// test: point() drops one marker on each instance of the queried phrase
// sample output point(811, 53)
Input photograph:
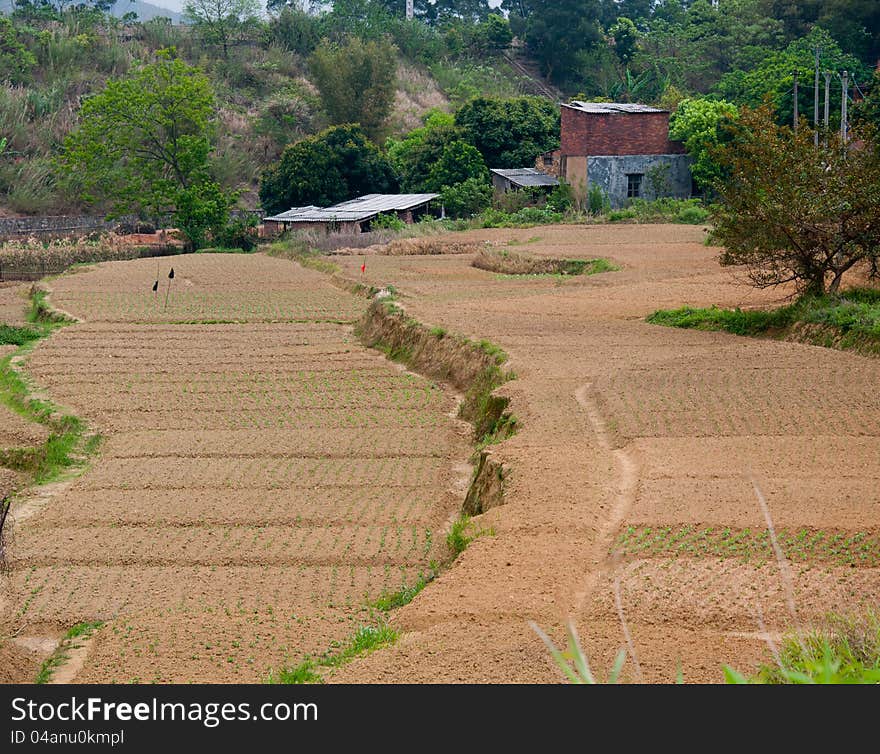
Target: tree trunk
point(816, 286)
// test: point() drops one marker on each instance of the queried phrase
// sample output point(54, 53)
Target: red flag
point(364, 267)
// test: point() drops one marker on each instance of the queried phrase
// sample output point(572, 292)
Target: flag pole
point(168, 292)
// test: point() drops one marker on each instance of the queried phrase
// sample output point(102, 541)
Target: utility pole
point(843, 103)
point(816, 100)
point(795, 101)
point(827, 102)
point(410, 10)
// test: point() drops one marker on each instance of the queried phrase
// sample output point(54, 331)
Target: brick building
point(622, 148)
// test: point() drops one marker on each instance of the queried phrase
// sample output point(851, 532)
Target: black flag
point(155, 286)
point(171, 274)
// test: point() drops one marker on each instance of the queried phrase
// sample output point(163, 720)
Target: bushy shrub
point(561, 198)
point(387, 222)
point(238, 233)
point(597, 201)
point(693, 215)
point(466, 199)
point(513, 201)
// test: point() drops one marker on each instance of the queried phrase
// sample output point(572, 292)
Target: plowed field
point(259, 482)
point(644, 441)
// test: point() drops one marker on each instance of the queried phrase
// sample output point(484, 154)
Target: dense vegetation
point(439, 99)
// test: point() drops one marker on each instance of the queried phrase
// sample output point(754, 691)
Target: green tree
point(699, 125)
point(868, 110)
point(16, 61)
point(555, 31)
point(458, 162)
point(415, 155)
point(357, 82)
point(337, 164)
point(794, 213)
point(510, 133)
point(774, 76)
point(497, 32)
point(624, 37)
point(144, 138)
point(218, 20)
point(202, 213)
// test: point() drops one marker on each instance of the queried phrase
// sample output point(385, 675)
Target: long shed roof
point(526, 177)
point(354, 210)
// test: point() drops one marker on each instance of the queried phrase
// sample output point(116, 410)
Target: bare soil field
point(13, 303)
point(646, 441)
point(263, 475)
point(258, 484)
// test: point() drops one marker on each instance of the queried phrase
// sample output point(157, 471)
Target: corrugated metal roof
point(355, 210)
point(600, 108)
point(294, 212)
point(527, 177)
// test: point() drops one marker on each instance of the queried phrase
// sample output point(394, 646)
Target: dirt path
point(648, 438)
point(262, 475)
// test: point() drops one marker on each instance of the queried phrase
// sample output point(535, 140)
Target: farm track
point(673, 428)
point(259, 482)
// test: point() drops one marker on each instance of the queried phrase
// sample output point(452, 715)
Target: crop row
point(226, 545)
point(263, 473)
point(303, 506)
point(188, 306)
point(839, 548)
point(63, 593)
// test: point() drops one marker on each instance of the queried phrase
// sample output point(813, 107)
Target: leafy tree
point(497, 32)
point(295, 30)
point(699, 125)
point(868, 110)
point(693, 46)
point(458, 162)
point(792, 212)
point(855, 24)
point(625, 38)
point(774, 76)
point(202, 212)
point(337, 164)
point(510, 133)
point(415, 155)
point(555, 31)
point(357, 82)
point(16, 61)
point(218, 20)
point(144, 138)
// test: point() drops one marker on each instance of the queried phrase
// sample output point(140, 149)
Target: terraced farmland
point(259, 483)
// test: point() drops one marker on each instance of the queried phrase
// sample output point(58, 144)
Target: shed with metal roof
point(353, 215)
point(519, 178)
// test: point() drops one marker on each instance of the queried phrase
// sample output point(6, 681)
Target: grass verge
point(849, 320)
point(68, 442)
point(80, 631)
point(462, 533)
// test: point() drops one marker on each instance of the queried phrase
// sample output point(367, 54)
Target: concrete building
point(622, 148)
point(353, 216)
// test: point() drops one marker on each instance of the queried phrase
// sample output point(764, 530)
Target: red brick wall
point(618, 133)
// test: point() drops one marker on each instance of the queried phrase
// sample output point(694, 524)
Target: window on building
point(548, 161)
point(634, 185)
